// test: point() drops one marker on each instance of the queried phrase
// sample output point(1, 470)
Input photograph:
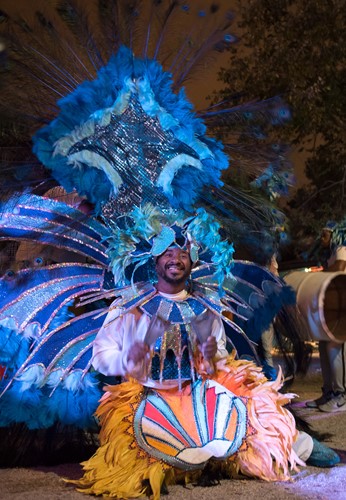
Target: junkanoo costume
point(153, 430)
point(135, 149)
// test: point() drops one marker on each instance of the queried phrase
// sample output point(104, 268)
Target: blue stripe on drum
point(242, 421)
point(199, 405)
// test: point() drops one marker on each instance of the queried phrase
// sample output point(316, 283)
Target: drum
point(321, 298)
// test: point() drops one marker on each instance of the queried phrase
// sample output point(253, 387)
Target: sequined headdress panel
point(126, 138)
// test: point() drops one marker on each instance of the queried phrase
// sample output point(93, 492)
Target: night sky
point(204, 81)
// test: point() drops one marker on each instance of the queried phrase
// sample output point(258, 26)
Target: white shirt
point(120, 331)
point(338, 254)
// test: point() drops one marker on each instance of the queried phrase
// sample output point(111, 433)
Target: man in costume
point(185, 401)
point(129, 356)
point(127, 137)
point(332, 354)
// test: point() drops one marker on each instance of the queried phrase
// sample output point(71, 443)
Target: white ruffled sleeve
point(109, 352)
point(114, 342)
point(218, 331)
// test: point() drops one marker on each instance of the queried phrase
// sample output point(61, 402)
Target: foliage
point(296, 49)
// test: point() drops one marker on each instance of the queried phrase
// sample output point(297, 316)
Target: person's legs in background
point(334, 359)
point(327, 377)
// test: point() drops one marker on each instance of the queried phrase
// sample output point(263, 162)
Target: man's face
point(325, 238)
point(174, 265)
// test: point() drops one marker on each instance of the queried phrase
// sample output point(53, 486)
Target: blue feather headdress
point(126, 137)
point(147, 232)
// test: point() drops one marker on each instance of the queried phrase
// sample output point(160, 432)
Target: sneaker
point(322, 455)
point(335, 404)
point(326, 396)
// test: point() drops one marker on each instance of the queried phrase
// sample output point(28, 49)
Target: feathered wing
point(252, 295)
point(45, 340)
point(54, 382)
point(47, 349)
point(48, 355)
point(108, 121)
point(275, 304)
point(27, 217)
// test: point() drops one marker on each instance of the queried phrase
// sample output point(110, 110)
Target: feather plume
point(76, 71)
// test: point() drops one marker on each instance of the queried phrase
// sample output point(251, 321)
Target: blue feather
point(14, 347)
point(72, 403)
point(24, 406)
point(266, 310)
point(75, 401)
point(174, 112)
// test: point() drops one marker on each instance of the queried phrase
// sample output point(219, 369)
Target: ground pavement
point(45, 483)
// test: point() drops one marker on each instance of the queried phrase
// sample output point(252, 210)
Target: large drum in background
point(321, 298)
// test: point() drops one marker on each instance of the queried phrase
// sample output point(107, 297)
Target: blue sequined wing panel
point(50, 222)
point(266, 293)
point(248, 289)
point(234, 299)
point(36, 295)
point(67, 347)
point(253, 296)
point(54, 383)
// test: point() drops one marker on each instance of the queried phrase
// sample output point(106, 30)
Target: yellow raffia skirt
point(153, 436)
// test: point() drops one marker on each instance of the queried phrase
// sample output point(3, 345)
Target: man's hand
point(209, 348)
point(157, 327)
point(138, 352)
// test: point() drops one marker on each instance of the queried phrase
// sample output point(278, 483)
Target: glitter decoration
point(171, 358)
point(48, 221)
point(131, 142)
point(37, 303)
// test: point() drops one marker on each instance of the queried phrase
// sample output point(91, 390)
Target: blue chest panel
point(172, 356)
